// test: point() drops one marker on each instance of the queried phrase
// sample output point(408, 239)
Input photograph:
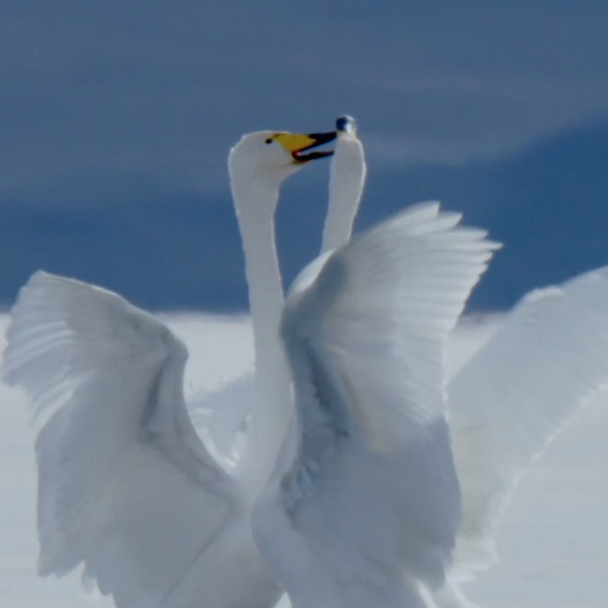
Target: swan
point(511, 400)
point(548, 359)
point(125, 484)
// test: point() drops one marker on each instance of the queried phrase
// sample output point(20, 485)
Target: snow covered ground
point(553, 545)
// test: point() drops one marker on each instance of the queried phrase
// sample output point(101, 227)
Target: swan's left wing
point(373, 488)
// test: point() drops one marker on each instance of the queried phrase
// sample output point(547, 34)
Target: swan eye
point(269, 141)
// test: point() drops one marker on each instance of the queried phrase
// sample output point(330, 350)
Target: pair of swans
point(363, 506)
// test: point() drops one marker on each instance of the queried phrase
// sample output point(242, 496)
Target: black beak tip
point(322, 138)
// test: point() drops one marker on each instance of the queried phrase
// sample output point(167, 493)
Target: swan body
point(546, 362)
point(125, 484)
point(367, 513)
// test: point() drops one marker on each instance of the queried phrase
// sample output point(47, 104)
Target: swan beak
point(298, 145)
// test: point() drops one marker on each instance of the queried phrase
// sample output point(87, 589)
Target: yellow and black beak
point(300, 145)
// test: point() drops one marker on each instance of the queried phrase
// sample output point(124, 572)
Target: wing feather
point(125, 484)
point(373, 488)
point(549, 358)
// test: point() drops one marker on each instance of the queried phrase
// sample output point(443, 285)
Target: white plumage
point(125, 485)
point(368, 511)
point(548, 359)
point(372, 492)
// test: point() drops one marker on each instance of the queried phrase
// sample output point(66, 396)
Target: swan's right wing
point(373, 488)
point(125, 485)
point(547, 360)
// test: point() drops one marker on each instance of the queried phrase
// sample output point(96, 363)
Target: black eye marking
point(269, 140)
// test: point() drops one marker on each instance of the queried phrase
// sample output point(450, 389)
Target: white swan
point(548, 360)
point(125, 484)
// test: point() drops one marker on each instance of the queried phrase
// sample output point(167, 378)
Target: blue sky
point(117, 118)
point(117, 90)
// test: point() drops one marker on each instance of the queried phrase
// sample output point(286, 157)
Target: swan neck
point(256, 202)
point(255, 218)
point(347, 178)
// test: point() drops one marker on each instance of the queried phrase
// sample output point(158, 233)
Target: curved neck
point(347, 177)
point(256, 202)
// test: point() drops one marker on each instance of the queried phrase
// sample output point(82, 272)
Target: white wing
point(373, 488)
point(125, 485)
point(546, 361)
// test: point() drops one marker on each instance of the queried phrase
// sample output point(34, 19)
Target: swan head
point(346, 124)
point(272, 156)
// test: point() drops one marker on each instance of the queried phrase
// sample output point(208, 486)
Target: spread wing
point(373, 490)
point(547, 360)
point(125, 484)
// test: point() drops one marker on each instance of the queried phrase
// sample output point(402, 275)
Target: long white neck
point(256, 202)
point(347, 177)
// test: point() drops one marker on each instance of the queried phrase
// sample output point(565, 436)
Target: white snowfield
point(553, 544)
